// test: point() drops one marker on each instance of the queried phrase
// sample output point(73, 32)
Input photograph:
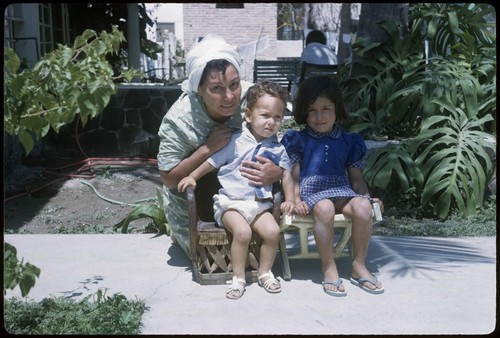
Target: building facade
point(251, 27)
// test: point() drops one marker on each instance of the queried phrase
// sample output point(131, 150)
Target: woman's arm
point(220, 136)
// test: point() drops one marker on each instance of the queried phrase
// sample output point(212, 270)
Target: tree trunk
point(372, 14)
point(344, 52)
point(368, 27)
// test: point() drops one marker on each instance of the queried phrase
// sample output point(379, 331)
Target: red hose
point(87, 165)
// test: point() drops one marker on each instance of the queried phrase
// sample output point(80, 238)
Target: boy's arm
point(198, 173)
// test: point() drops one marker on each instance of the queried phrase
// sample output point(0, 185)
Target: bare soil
point(71, 206)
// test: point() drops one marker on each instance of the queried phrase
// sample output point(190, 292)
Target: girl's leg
point(359, 210)
point(268, 230)
point(324, 214)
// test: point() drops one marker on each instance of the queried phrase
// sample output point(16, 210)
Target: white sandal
point(237, 284)
point(269, 281)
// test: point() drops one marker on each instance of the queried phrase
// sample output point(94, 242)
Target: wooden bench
point(303, 225)
point(280, 71)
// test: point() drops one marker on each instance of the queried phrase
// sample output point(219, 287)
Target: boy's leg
point(238, 226)
point(268, 230)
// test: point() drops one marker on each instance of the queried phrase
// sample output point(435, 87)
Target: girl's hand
point(379, 201)
point(186, 182)
point(301, 208)
point(287, 207)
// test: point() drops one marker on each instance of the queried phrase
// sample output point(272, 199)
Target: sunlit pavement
point(432, 286)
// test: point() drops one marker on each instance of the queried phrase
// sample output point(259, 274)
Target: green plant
point(482, 224)
point(437, 107)
point(154, 211)
point(106, 315)
point(451, 154)
point(17, 273)
point(67, 82)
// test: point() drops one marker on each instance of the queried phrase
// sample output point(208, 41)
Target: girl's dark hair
point(270, 88)
point(311, 89)
point(217, 64)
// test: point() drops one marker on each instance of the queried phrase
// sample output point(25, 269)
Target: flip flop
point(336, 293)
point(359, 282)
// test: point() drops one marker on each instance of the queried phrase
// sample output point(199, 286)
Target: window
point(290, 21)
point(229, 5)
point(45, 17)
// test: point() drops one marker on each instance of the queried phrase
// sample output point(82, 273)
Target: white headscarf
point(211, 47)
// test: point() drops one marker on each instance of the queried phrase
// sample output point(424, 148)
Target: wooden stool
point(303, 225)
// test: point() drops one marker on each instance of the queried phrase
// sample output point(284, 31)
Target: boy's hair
point(265, 87)
point(311, 89)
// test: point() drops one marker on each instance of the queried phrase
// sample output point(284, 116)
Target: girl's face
point(221, 93)
point(266, 116)
point(321, 115)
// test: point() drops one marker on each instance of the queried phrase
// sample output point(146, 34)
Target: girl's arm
point(357, 181)
point(288, 190)
point(198, 173)
point(300, 206)
point(359, 185)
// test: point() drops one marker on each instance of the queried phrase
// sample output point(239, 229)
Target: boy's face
point(266, 116)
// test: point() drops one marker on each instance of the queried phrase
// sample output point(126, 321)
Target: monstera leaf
point(451, 152)
point(392, 162)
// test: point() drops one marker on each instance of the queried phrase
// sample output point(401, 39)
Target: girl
point(327, 172)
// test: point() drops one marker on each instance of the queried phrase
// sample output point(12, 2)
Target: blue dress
point(324, 159)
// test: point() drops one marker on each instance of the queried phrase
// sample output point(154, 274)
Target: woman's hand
point(218, 138)
point(262, 172)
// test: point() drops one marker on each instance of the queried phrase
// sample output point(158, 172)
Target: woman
point(200, 123)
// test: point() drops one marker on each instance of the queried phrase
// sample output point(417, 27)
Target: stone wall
point(128, 126)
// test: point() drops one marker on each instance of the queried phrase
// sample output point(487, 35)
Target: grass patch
point(105, 315)
point(479, 225)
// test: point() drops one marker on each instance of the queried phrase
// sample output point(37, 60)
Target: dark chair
point(311, 69)
point(209, 244)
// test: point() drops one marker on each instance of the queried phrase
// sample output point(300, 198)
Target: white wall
point(162, 12)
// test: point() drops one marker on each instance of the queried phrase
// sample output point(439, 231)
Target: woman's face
point(221, 93)
point(321, 115)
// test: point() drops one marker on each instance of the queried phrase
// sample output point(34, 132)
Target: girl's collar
point(334, 133)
